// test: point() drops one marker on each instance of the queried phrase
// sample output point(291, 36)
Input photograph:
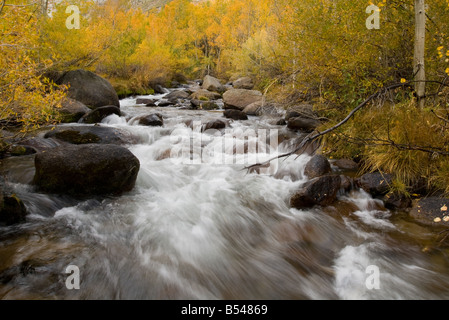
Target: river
point(199, 226)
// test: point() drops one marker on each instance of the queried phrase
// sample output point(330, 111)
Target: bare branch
point(315, 135)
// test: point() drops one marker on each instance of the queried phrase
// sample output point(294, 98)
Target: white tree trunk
point(420, 41)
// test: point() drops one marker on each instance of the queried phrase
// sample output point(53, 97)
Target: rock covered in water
point(85, 170)
point(319, 191)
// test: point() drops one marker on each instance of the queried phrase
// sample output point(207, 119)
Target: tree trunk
point(420, 41)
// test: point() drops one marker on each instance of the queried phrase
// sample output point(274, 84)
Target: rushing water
point(197, 226)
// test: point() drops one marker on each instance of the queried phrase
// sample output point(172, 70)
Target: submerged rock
point(86, 170)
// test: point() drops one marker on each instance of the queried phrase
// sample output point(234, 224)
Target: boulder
point(302, 111)
point(212, 84)
point(346, 164)
point(86, 170)
point(159, 89)
point(89, 88)
point(205, 95)
point(165, 103)
point(91, 134)
point(208, 105)
point(241, 98)
point(152, 120)
point(396, 201)
point(19, 150)
point(347, 183)
point(281, 122)
point(303, 124)
point(243, 83)
point(97, 115)
point(432, 211)
point(176, 95)
point(319, 191)
point(235, 114)
point(72, 110)
point(40, 144)
point(254, 109)
point(12, 210)
point(214, 125)
point(376, 184)
point(145, 101)
point(317, 166)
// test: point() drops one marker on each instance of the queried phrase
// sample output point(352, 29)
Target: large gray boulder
point(89, 88)
point(241, 98)
point(243, 83)
point(86, 170)
point(213, 84)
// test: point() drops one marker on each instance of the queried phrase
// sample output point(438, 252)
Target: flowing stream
point(199, 226)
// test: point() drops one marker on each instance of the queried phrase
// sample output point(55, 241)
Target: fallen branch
point(315, 135)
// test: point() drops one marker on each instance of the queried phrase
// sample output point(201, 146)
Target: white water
point(198, 227)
